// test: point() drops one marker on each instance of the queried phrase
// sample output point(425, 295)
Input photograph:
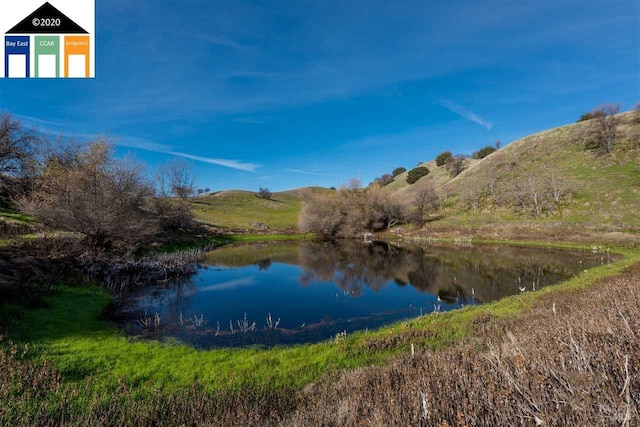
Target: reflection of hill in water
point(486, 272)
point(241, 255)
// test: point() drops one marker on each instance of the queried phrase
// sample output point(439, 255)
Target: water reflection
point(307, 291)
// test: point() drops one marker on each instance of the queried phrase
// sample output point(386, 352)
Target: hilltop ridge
point(595, 193)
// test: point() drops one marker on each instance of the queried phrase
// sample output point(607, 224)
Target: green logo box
point(47, 56)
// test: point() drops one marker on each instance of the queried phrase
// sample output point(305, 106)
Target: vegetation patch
point(70, 338)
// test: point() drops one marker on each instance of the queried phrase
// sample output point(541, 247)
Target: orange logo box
point(75, 48)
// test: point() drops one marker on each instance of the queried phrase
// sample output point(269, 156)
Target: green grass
point(70, 333)
point(15, 216)
point(245, 210)
point(606, 189)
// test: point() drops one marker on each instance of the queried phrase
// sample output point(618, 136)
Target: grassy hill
point(245, 210)
point(599, 192)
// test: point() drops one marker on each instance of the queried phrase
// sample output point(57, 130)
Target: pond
point(307, 291)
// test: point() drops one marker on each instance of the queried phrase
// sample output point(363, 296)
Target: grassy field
point(69, 336)
point(244, 210)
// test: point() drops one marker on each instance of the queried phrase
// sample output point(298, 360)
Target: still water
point(306, 291)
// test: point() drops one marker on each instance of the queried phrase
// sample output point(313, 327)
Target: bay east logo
point(47, 40)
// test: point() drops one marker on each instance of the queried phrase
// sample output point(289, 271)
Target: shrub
point(264, 193)
point(349, 212)
point(397, 171)
point(416, 173)
point(93, 194)
point(483, 152)
point(174, 216)
point(590, 115)
point(443, 157)
point(456, 164)
point(385, 179)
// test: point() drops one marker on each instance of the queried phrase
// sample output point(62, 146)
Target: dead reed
point(573, 360)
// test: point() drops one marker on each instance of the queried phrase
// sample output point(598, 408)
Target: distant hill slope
point(602, 192)
point(599, 193)
point(245, 210)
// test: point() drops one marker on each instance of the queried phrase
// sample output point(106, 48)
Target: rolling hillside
point(595, 192)
point(598, 192)
point(244, 210)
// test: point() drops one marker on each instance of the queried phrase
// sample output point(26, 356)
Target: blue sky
point(282, 94)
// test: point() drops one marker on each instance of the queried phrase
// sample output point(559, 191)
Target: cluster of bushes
point(416, 173)
point(387, 179)
point(350, 211)
point(84, 189)
point(483, 152)
point(454, 164)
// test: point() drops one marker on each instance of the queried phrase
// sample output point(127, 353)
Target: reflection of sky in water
point(277, 291)
point(360, 287)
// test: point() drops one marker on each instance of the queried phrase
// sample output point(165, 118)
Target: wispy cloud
point(467, 114)
point(143, 144)
point(307, 172)
point(233, 164)
point(34, 121)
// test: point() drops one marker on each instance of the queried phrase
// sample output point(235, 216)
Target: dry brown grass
point(572, 360)
point(551, 231)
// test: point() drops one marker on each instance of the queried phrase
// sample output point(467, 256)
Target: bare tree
point(605, 126)
point(354, 184)
point(176, 178)
point(17, 145)
point(494, 164)
point(87, 191)
point(456, 164)
point(538, 192)
point(424, 202)
point(470, 197)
